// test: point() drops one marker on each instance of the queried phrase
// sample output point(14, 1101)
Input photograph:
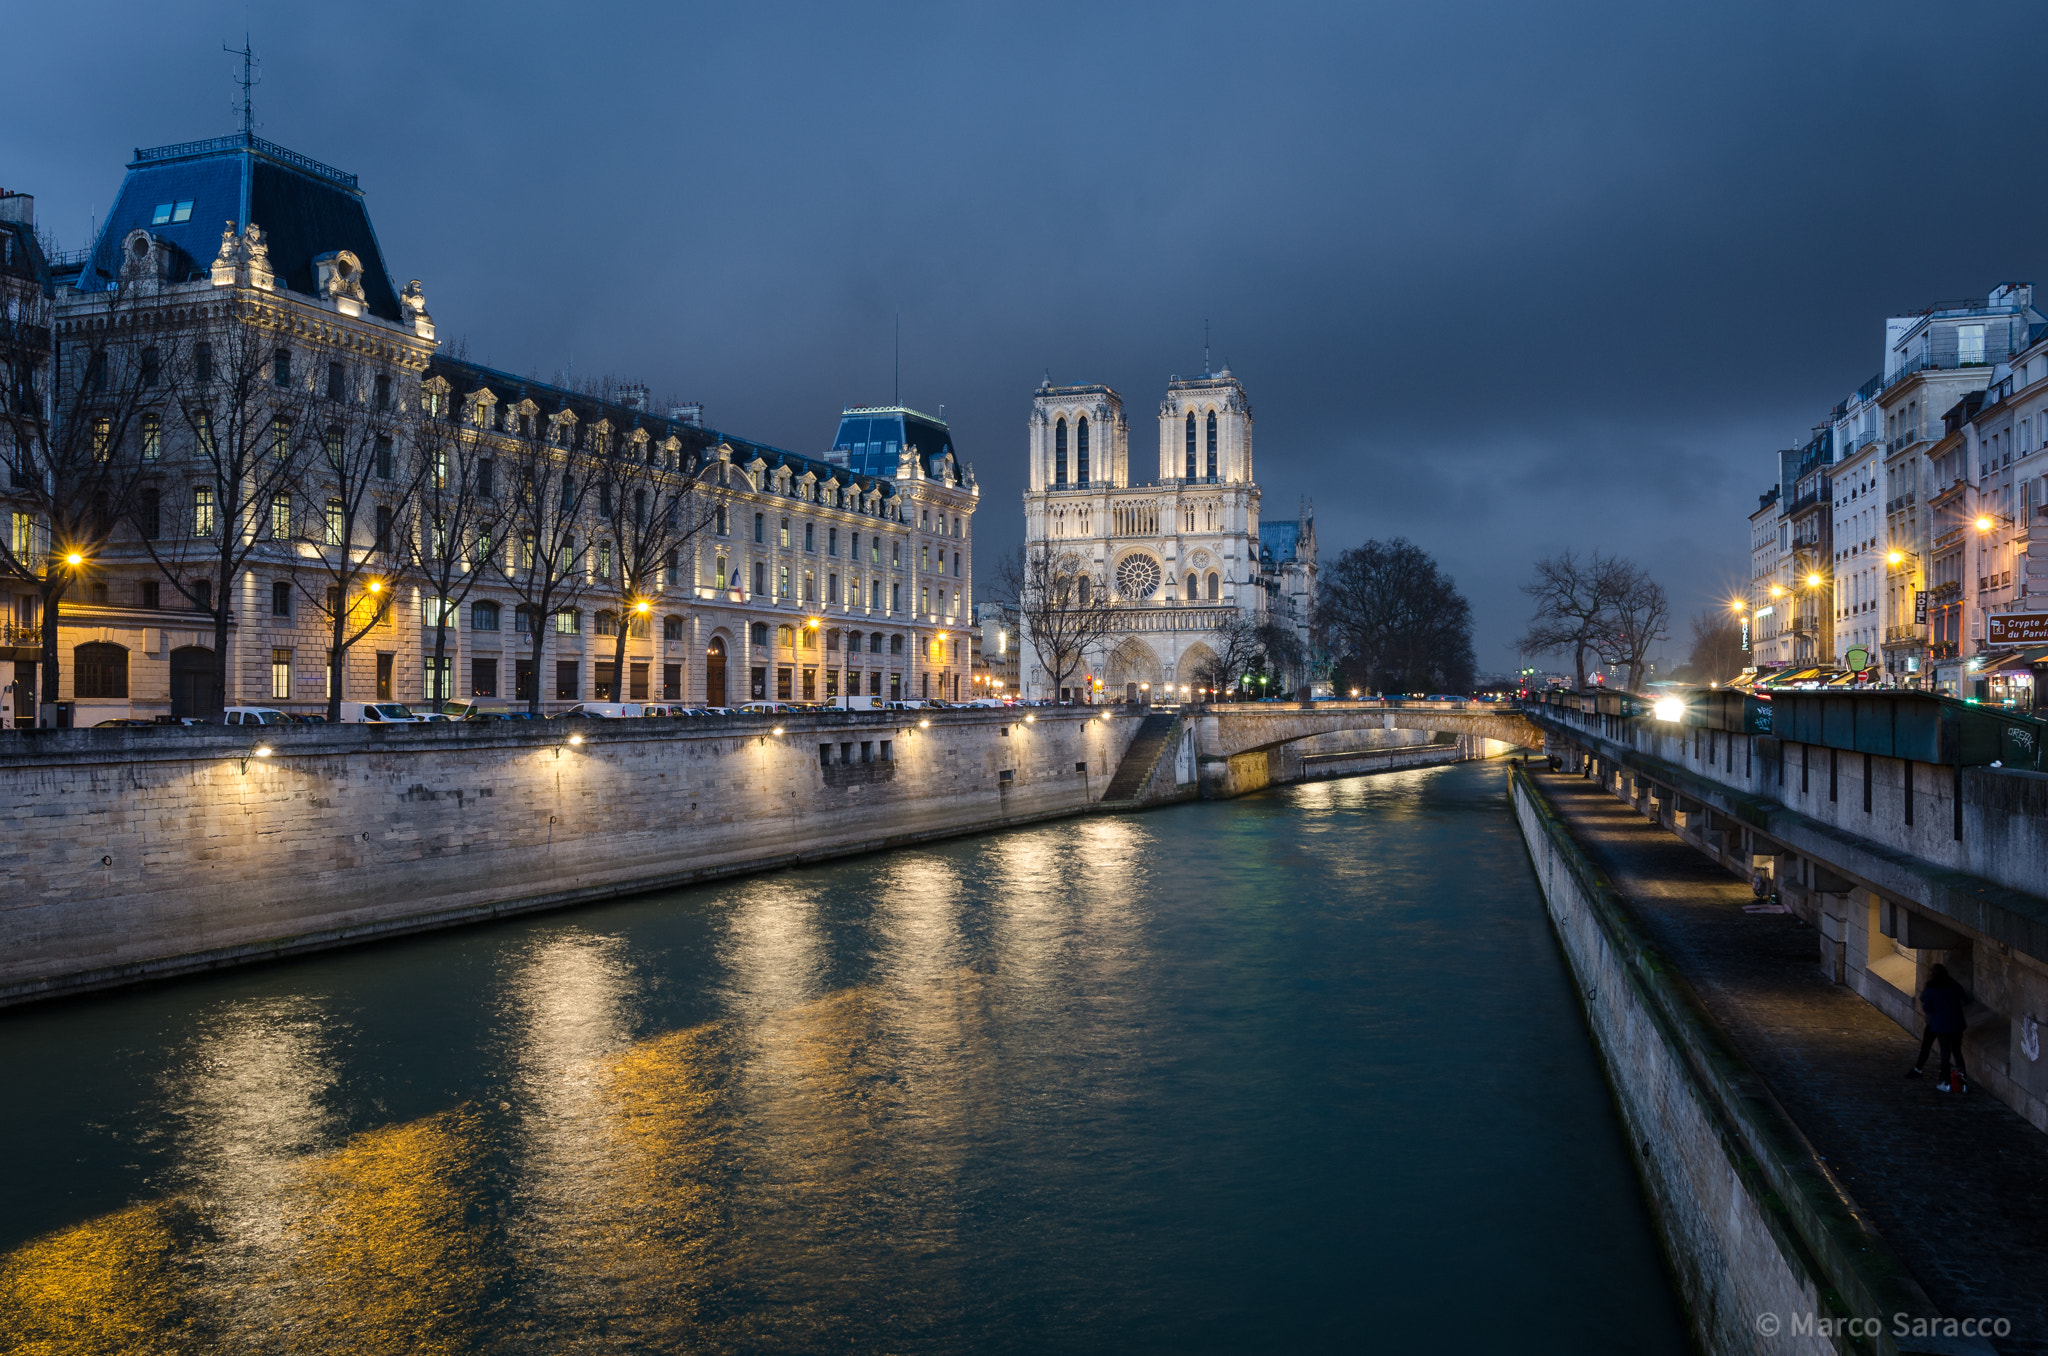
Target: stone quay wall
point(1753, 1221)
point(139, 853)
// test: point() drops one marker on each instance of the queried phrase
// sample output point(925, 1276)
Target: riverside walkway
point(1957, 1185)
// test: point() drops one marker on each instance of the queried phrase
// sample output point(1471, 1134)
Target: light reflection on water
point(1295, 1071)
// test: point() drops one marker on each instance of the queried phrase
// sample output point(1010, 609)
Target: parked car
point(465, 708)
point(757, 708)
point(120, 722)
point(376, 713)
point(663, 709)
point(601, 711)
point(254, 715)
point(714, 710)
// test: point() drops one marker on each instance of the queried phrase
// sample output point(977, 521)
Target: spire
point(1206, 369)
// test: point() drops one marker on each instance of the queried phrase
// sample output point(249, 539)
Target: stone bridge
point(1225, 730)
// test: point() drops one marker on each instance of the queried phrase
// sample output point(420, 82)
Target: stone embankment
point(1771, 1251)
point(139, 853)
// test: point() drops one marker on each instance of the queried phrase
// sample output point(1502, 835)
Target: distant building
point(997, 636)
point(1183, 549)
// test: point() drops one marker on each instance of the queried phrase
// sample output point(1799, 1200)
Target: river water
point(1298, 1071)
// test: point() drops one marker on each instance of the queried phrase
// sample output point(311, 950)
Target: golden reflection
point(390, 1249)
point(118, 1283)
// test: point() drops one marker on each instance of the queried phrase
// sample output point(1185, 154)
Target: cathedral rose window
point(1137, 577)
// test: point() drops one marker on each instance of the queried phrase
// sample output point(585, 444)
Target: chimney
point(19, 207)
point(691, 414)
point(633, 397)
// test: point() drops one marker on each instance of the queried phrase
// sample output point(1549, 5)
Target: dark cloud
point(1500, 278)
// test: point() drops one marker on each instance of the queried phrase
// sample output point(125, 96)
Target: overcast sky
point(1502, 279)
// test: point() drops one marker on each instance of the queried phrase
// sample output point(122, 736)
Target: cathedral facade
point(1181, 547)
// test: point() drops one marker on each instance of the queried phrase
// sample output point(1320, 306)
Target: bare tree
point(1717, 654)
point(1395, 620)
point(650, 508)
point(543, 559)
point(455, 530)
point(1065, 612)
point(1638, 616)
point(358, 487)
point(223, 493)
point(1234, 649)
point(1573, 602)
point(79, 432)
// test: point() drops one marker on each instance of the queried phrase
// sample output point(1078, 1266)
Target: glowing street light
point(1777, 590)
point(376, 586)
point(1983, 524)
point(1813, 581)
point(74, 560)
point(1668, 709)
point(1896, 557)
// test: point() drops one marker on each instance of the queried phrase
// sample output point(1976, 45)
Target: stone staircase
point(1151, 741)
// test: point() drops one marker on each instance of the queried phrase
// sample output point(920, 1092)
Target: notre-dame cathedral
point(1183, 547)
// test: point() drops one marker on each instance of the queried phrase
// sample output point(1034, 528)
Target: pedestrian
point(1943, 1000)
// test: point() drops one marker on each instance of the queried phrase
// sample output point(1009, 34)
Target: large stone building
point(1181, 547)
point(794, 577)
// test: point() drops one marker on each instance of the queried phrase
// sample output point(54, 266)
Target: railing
point(1861, 441)
point(244, 141)
point(1904, 501)
point(10, 634)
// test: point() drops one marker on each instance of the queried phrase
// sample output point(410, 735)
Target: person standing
point(1943, 1000)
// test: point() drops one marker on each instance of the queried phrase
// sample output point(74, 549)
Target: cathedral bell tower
point(1205, 431)
point(1079, 439)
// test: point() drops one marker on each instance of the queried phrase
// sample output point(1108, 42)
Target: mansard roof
point(465, 378)
point(305, 208)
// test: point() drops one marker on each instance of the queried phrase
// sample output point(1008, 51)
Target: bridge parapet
point(1231, 728)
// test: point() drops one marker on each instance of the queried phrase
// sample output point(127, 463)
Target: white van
point(854, 702)
point(254, 715)
point(375, 713)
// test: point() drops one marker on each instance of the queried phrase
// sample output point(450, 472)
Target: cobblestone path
point(1957, 1185)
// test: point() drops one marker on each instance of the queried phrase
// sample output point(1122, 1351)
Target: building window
point(336, 382)
point(831, 588)
point(810, 586)
point(335, 523)
point(1212, 444)
point(1191, 444)
point(567, 684)
point(760, 578)
point(483, 677)
point(151, 366)
point(281, 598)
point(1969, 344)
point(785, 534)
point(281, 367)
point(202, 362)
point(202, 429)
point(568, 622)
point(1215, 586)
point(831, 541)
point(483, 617)
point(672, 628)
point(782, 581)
point(281, 438)
point(202, 510)
point(280, 675)
point(381, 393)
point(383, 527)
point(152, 437)
point(1059, 452)
point(896, 597)
point(760, 528)
point(1081, 450)
point(719, 522)
point(437, 678)
point(99, 669)
point(102, 438)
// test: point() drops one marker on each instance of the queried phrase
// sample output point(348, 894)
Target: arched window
point(760, 633)
point(607, 623)
point(1081, 450)
point(785, 638)
point(1059, 452)
point(1191, 444)
point(1215, 586)
point(671, 628)
point(853, 642)
point(99, 670)
point(483, 617)
point(1192, 593)
point(1212, 444)
point(1084, 590)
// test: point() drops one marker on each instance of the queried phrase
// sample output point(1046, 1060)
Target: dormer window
point(170, 213)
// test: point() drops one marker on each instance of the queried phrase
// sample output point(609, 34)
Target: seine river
point(1302, 1071)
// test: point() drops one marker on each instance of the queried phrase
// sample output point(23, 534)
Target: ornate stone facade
point(1181, 549)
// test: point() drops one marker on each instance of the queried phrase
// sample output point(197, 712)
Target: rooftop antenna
point(1205, 348)
point(248, 80)
point(899, 357)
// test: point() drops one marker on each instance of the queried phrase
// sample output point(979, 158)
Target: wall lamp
point(1030, 719)
point(925, 724)
point(260, 751)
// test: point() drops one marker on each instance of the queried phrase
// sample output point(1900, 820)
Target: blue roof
point(185, 194)
point(1279, 541)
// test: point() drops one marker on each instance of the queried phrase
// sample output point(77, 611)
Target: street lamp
point(1813, 581)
